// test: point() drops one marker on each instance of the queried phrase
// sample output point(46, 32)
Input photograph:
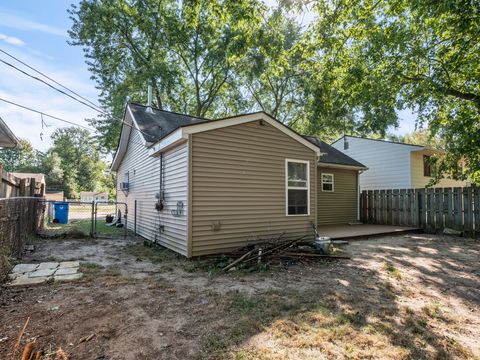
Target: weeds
point(5, 264)
point(155, 253)
point(392, 270)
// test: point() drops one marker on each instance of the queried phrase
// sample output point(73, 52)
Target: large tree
point(271, 75)
point(187, 50)
point(22, 159)
point(81, 166)
point(388, 55)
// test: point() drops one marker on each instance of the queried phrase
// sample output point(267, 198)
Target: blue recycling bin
point(61, 212)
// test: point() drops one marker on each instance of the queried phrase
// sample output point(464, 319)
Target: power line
point(48, 77)
point(94, 107)
point(60, 119)
point(50, 85)
point(45, 114)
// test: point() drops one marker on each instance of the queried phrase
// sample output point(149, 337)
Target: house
point(392, 165)
point(201, 186)
point(52, 195)
point(89, 196)
point(7, 139)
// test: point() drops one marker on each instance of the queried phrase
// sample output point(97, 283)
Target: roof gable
point(183, 132)
point(330, 155)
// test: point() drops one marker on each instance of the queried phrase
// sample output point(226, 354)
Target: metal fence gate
point(106, 219)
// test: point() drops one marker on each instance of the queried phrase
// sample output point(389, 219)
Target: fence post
point(447, 199)
point(32, 187)
point(92, 227)
point(457, 208)
point(439, 205)
point(476, 206)
point(431, 209)
point(370, 206)
point(467, 211)
point(421, 208)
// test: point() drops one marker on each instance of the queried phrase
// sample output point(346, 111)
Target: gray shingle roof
point(331, 155)
point(159, 123)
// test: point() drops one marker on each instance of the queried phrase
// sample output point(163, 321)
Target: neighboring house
point(207, 186)
point(392, 165)
point(89, 196)
point(54, 195)
point(7, 139)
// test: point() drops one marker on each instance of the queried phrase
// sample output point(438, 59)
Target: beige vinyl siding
point(238, 186)
point(420, 181)
point(339, 206)
point(144, 180)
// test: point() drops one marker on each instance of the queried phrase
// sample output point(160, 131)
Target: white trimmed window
point(327, 182)
point(297, 187)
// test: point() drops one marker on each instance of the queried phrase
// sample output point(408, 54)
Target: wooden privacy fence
point(432, 209)
point(12, 186)
point(19, 218)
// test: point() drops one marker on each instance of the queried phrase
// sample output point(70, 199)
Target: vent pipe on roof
point(346, 145)
point(149, 99)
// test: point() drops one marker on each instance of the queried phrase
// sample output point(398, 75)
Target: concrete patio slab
point(69, 264)
point(23, 268)
point(32, 274)
point(66, 271)
point(42, 273)
point(47, 265)
point(69, 277)
point(24, 280)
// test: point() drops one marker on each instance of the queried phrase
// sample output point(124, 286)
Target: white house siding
point(388, 164)
point(144, 185)
point(419, 180)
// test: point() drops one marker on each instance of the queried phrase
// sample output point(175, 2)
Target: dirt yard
point(403, 297)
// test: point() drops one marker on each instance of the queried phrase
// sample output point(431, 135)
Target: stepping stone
point(42, 273)
point(47, 265)
point(24, 280)
point(69, 277)
point(69, 264)
point(23, 268)
point(66, 271)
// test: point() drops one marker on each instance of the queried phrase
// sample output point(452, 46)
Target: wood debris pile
point(32, 350)
point(264, 252)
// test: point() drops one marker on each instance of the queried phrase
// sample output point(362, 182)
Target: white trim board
point(296, 188)
point(128, 125)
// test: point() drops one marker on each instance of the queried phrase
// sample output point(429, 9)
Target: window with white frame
point(297, 187)
point(327, 182)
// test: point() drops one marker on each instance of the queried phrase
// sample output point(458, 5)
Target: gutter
point(342, 166)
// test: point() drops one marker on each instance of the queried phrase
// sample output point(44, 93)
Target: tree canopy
point(72, 164)
point(351, 71)
point(421, 55)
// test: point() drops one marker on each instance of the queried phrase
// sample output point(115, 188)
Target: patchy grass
point(108, 276)
point(300, 326)
point(392, 270)
point(81, 228)
point(154, 253)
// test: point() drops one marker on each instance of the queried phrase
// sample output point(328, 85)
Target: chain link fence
point(86, 219)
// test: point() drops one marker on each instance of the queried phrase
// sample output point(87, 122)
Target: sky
point(36, 32)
